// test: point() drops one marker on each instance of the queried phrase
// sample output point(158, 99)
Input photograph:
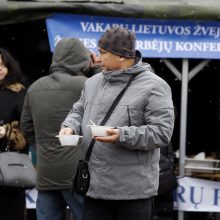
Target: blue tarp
point(155, 38)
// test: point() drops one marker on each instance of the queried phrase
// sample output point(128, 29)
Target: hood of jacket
point(70, 56)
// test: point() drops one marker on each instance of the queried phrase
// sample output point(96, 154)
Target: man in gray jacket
point(124, 166)
point(47, 102)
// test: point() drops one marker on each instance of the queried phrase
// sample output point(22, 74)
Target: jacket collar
point(16, 87)
point(124, 75)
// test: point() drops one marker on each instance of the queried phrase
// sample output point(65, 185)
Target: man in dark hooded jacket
point(47, 103)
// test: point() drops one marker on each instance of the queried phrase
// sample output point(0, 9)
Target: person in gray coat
point(46, 104)
point(124, 166)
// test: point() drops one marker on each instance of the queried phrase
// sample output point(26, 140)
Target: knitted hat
point(119, 41)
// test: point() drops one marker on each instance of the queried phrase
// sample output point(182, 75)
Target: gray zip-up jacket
point(129, 168)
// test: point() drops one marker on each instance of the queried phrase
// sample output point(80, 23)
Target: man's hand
point(66, 131)
point(2, 131)
point(113, 136)
point(95, 61)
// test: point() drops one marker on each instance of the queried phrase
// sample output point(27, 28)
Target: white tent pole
point(183, 123)
point(183, 119)
point(185, 78)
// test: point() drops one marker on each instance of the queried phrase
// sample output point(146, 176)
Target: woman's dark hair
point(14, 71)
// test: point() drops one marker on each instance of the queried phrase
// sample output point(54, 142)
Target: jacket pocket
point(135, 115)
point(114, 154)
point(127, 115)
point(117, 155)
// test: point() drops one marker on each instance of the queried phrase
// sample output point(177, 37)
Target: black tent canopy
point(18, 11)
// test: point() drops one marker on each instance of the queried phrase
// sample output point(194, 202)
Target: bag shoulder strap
point(108, 114)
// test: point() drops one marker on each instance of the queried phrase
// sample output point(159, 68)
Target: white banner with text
point(192, 194)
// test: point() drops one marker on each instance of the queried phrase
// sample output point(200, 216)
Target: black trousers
point(96, 209)
point(163, 207)
point(12, 204)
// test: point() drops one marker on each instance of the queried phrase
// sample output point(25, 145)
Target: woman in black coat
point(12, 92)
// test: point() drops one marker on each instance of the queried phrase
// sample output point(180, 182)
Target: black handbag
point(167, 181)
point(82, 178)
point(167, 176)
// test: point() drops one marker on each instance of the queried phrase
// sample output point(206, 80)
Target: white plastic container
point(100, 131)
point(70, 140)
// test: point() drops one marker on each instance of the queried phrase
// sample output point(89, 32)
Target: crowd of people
point(124, 165)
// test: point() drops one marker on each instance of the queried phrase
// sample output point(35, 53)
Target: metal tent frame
point(184, 77)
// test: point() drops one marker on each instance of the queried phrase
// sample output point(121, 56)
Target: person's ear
point(121, 59)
